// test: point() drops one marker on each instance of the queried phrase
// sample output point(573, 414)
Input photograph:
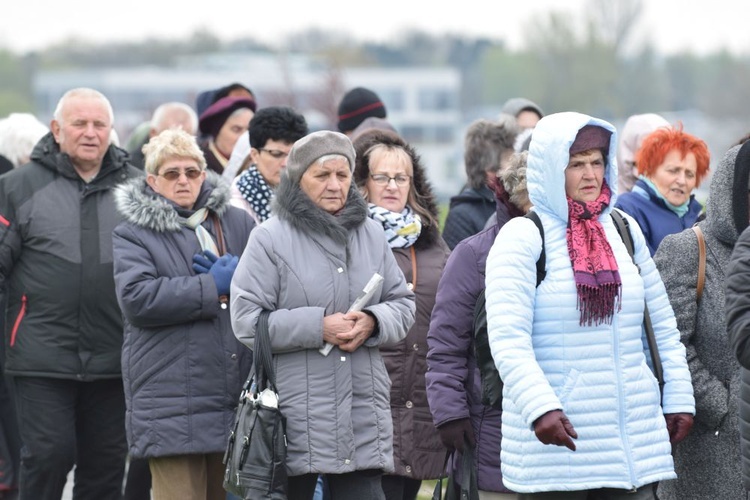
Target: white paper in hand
point(360, 302)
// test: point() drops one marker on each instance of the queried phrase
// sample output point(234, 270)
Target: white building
point(422, 103)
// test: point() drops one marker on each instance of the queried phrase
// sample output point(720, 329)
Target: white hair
point(86, 93)
point(168, 110)
point(19, 133)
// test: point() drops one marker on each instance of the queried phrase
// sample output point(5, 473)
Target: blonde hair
point(171, 143)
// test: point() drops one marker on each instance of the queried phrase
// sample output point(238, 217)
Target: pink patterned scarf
point(594, 266)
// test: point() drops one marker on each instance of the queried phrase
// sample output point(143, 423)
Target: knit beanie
point(311, 147)
point(358, 104)
point(214, 117)
point(591, 137)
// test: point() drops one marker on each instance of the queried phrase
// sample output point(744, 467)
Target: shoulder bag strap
point(623, 228)
point(541, 262)
point(262, 356)
point(701, 262)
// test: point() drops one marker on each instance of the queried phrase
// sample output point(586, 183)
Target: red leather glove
point(678, 425)
point(554, 428)
point(455, 433)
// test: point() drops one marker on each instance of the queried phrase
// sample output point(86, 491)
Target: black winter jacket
point(62, 318)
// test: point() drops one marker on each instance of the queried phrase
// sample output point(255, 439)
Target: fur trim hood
point(294, 206)
point(142, 207)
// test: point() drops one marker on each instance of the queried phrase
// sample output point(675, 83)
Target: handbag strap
point(701, 262)
point(262, 356)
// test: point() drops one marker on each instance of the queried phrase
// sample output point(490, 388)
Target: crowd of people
point(132, 279)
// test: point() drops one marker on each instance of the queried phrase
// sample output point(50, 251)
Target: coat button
point(340, 270)
point(415, 347)
point(234, 356)
point(409, 404)
point(410, 286)
point(408, 469)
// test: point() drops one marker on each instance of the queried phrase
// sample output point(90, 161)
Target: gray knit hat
point(311, 147)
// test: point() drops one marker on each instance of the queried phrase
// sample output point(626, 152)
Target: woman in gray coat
point(182, 367)
point(707, 462)
point(307, 264)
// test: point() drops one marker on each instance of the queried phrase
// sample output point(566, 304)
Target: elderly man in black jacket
point(64, 329)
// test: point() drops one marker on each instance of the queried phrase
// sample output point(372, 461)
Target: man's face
point(83, 131)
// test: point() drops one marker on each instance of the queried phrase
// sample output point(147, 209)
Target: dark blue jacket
point(468, 214)
point(653, 215)
point(182, 366)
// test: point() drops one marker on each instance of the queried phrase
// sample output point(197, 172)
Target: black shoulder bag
point(255, 457)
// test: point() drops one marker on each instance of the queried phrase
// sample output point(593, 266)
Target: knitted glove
point(678, 425)
point(455, 433)
point(221, 269)
point(554, 428)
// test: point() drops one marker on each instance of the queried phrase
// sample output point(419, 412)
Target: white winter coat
point(598, 375)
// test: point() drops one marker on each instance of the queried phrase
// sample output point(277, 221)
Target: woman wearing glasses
point(272, 132)
point(183, 369)
point(392, 180)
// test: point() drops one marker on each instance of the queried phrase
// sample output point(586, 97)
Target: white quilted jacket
point(598, 375)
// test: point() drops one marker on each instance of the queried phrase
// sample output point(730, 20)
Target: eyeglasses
point(173, 175)
point(383, 180)
point(275, 153)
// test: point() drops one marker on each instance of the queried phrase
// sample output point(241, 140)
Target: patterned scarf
point(401, 229)
point(594, 266)
point(256, 191)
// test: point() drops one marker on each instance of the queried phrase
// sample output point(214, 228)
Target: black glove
point(554, 428)
point(455, 433)
point(678, 425)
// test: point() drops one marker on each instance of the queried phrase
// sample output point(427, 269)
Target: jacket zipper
point(19, 318)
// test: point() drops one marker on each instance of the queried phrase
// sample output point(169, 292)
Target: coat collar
point(294, 206)
point(142, 207)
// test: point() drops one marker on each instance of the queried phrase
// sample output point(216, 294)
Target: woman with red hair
point(671, 164)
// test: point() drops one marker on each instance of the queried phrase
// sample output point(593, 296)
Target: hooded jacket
point(598, 375)
point(303, 264)
point(56, 266)
point(706, 461)
point(183, 369)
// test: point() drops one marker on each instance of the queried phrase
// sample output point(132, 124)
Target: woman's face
point(390, 178)
point(676, 177)
point(584, 176)
point(233, 128)
point(179, 180)
point(327, 184)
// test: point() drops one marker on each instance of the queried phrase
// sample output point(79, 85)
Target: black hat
point(213, 118)
point(358, 104)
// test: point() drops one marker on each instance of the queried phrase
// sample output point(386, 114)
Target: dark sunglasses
point(173, 175)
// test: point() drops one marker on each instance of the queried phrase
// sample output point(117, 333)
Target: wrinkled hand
point(456, 433)
point(364, 324)
point(554, 428)
point(678, 425)
point(333, 325)
point(221, 268)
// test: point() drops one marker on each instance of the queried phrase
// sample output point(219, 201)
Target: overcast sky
point(673, 25)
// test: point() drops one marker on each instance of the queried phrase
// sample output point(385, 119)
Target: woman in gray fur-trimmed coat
point(182, 366)
point(707, 462)
point(306, 265)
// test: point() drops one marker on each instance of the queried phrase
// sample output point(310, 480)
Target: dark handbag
point(255, 457)
point(465, 489)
